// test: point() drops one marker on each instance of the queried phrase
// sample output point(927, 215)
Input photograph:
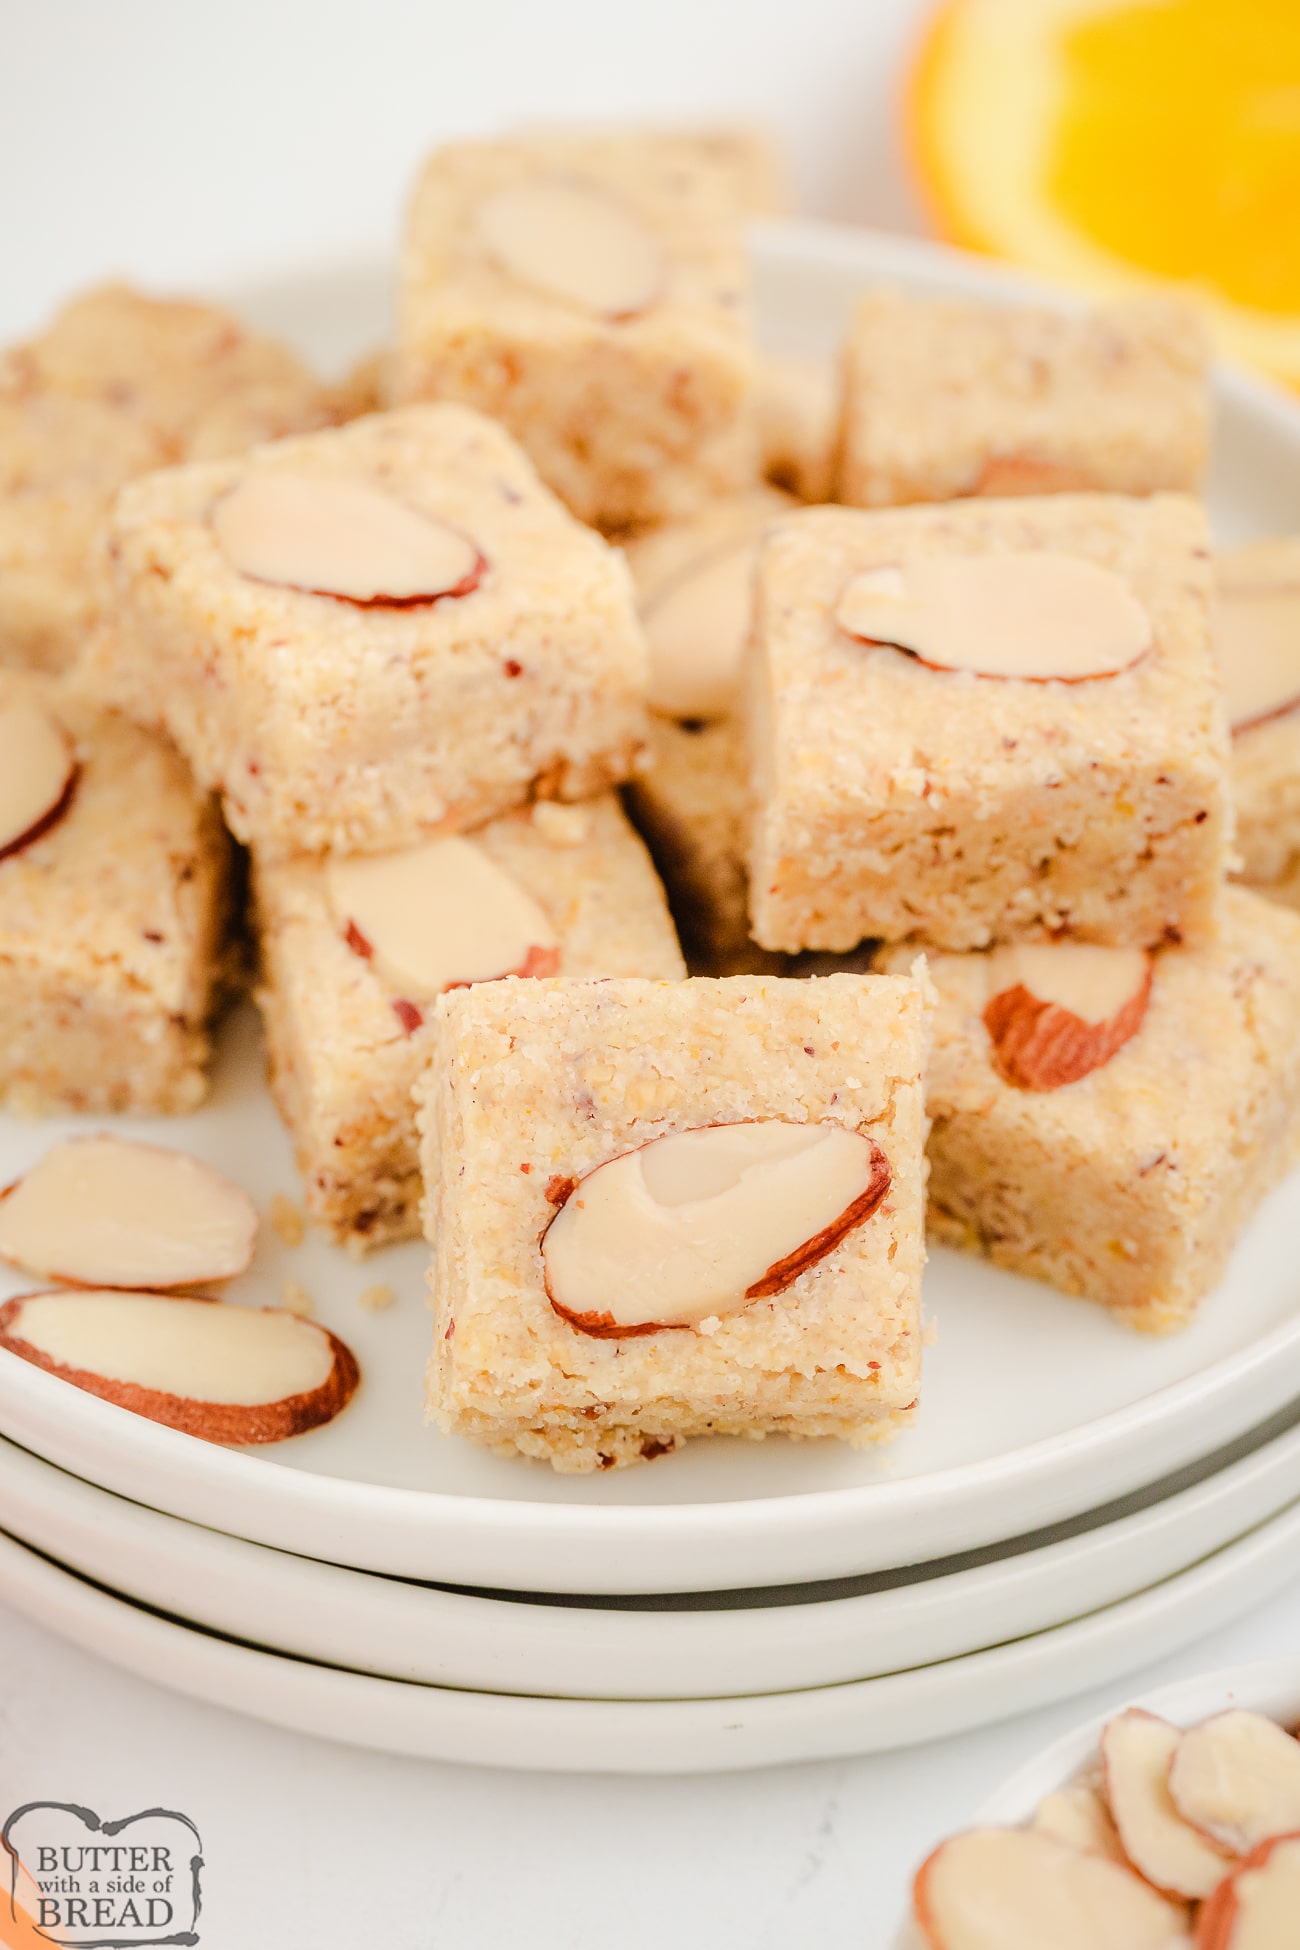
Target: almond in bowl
point(1167, 1837)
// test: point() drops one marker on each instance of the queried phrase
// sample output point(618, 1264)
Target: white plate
point(1034, 1407)
point(703, 1648)
point(655, 1736)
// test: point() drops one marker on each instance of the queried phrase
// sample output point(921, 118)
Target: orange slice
point(1116, 144)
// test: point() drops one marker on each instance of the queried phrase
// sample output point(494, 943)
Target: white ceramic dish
point(1269, 1686)
point(1035, 1407)
point(655, 1736)
point(711, 1647)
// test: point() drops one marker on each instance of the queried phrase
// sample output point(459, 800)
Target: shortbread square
point(368, 717)
point(591, 292)
point(694, 583)
point(901, 800)
point(691, 803)
point(345, 1038)
point(1257, 632)
point(537, 1093)
point(948, 396)
point(1130, 1185)
point(113, 916)
point(117, 385)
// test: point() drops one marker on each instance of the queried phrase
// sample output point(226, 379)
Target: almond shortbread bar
point(118, 385)
point(113, 905)
point(666, 1210)
point(591, 293)
point(373, 634)
point(1115, 1144)
point(1257, 634)
point(346, 1007)
point(692, 806)
point(946, 397)
point(987, 720)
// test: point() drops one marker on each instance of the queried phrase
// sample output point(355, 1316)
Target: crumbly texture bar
point(1130, 1186)
point(118, 385)
point(533, 1082)
point(798, 425)
point(326, 724)
point(112, 925)
point(343, 1065)
point(1258, 612)
point(904, 802)
point(946, 397)
point(692, 806)
point(1266, 794)
point(191, 374)
point(62, 461)
point(631, 419)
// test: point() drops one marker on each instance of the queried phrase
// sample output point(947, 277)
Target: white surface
point(637, 1651)
point(1033, 1407)
point(308, 1843)
point(657, 1736)
point(184, 145)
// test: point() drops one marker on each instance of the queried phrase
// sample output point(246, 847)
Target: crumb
point(286, 1220)
point(930, 1334)
point(376, 1299)
point(295, 1297)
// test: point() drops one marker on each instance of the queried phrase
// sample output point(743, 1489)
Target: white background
point(191, 145)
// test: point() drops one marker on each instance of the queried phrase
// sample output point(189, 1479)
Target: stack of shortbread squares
point(460, 648)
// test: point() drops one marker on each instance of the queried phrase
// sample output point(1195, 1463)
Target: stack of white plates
point(1072, 1501)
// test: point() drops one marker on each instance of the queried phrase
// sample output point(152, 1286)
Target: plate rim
point(751, 1731)
point(150, 1556)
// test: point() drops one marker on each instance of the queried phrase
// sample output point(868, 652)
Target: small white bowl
point(1269, 1686)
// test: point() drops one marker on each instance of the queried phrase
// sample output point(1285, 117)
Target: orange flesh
point(1177, 142)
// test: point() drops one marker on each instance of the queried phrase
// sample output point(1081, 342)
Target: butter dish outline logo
point(182, 1883)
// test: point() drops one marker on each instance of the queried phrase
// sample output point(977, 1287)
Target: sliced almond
point(701, 1223)
point(228, 1374)
point(1058, 1010)
point(697, 628)
point(1036, 615)
point(1015, 1889)
point(1079, 1816)
point(107, 1211)
point(37, 775)
point(575, 241)
point(1257, 632)
point(1236, 1778)
point(342, 538)
point(439, 916)
point(1136, 1750)
point(1257, 1906)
